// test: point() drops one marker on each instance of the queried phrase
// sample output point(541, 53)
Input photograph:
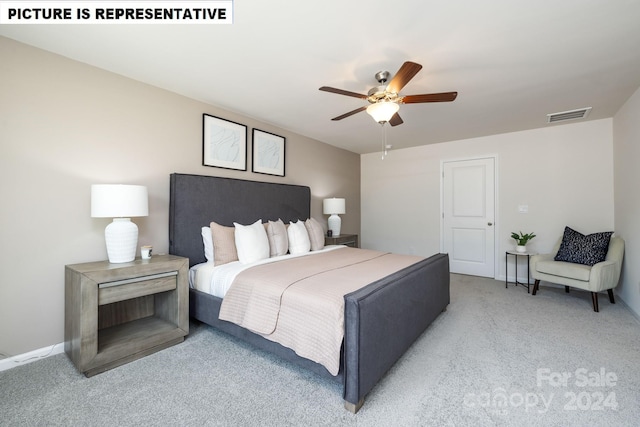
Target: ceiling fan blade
point(429, 97)
point(350, 113)
point(396, 120)
point(402, 77)
point(343, 92)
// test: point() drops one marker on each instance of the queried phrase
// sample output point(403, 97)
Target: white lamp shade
point(119, 201)
point(382, 111)
point(333, 206)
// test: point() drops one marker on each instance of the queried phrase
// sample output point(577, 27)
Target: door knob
point(489, 224)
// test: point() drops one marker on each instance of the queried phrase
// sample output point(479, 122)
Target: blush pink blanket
point(299, 302)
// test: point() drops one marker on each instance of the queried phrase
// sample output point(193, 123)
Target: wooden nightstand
point(342, 239)
point(117, 313)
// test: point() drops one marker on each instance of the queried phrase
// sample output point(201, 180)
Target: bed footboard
point(383, 319)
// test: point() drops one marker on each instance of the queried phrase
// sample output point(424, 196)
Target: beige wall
point(64, 126)
point(563, 173)
point(626, 143)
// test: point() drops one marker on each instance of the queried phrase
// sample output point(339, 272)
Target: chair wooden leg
point(594, 298)
point(566, 289)
point(536, 285)
point(610, 292)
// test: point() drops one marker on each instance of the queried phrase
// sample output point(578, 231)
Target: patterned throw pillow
point(580, 249)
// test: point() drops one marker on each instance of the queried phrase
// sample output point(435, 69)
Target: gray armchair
point(597, 278)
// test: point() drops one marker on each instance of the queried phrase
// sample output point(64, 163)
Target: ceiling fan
point(384, 100)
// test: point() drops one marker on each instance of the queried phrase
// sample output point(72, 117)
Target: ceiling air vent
point(580, 113)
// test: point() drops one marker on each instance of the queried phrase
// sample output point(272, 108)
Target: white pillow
point(251, 242)
point(278, 239)
point(316, 234)
point(298, 238)
point(207, 242)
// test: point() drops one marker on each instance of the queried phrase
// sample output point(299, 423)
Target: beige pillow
point(224, 244)
point(316, 234)
point(278, 239)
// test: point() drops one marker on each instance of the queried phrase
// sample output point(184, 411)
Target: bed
point(381, 319)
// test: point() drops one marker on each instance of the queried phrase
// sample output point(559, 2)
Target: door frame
point(496, 221)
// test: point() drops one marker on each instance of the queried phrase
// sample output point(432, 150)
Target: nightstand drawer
point(121, 290)
point(342, 239)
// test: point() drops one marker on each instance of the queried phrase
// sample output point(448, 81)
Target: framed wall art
point(268, 153)
point(224, 143)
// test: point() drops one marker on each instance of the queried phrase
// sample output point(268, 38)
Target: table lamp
point(333, 207)
point(120, 202)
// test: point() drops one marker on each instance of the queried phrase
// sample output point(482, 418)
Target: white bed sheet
point(216, 280)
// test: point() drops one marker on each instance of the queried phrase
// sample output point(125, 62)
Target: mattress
point(216, 280)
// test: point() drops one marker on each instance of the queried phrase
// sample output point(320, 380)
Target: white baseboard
point(32, 356)
point(632, 311)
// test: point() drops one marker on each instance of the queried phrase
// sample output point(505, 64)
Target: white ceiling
point(511, 62)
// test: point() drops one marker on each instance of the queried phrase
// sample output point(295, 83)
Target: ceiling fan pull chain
point(384, 140)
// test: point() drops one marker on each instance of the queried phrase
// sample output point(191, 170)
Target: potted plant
point(521, 240)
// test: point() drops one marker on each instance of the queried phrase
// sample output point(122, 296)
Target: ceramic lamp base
point(122, 240)
point(335, 223)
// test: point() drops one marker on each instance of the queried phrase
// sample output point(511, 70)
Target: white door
point(469, 215)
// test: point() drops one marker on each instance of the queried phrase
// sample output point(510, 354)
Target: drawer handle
point(137, 279)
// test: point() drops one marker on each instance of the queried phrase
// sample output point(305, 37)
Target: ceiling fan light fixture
point(382, 111)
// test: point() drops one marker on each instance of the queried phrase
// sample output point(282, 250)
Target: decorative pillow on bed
point(252, 243)
point(298, 238)
point(224, 244)
point(278, 239)
point(316, 234)
point(580, 249)
point(207, 242)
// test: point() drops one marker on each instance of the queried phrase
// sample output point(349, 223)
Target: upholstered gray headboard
point(196, 200)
